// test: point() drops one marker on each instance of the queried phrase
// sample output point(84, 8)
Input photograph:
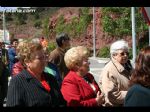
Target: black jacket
point(25, 90)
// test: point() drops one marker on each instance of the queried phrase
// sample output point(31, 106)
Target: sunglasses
point(124, 53)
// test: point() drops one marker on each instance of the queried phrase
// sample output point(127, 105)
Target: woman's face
point(39, 62)
point(84, 68)
point(121, 56)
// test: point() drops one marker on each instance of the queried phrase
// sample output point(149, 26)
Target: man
point(4, 72)
point(12, 54)
point(57, 55)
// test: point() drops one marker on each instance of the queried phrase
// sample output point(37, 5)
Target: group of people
point(62, 78)
point(7, 59)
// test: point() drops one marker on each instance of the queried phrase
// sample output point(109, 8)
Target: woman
point(139, 93)
point(116, 74)
point(79, 87)
point(20, 65)
point(33, 87)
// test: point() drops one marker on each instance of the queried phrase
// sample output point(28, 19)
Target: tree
point(45, 27)
point(116, 21)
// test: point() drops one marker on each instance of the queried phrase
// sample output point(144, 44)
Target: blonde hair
point(75, 56)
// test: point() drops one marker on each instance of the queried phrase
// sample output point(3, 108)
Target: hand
point(114, 95)
point(100, 98)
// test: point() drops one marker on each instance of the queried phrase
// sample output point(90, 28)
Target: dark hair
point(13, 40)
point(141, 73)
point(60, 38)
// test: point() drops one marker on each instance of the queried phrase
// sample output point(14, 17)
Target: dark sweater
point(25, 90)
point(137, 96)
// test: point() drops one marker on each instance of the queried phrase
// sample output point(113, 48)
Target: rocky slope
point(86, 39)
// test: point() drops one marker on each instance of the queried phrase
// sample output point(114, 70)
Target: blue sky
point(5, 8)
point(9, 8)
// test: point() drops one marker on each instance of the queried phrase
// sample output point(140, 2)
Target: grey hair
point(118, 45)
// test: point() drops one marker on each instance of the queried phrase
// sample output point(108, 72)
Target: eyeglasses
point(41, 57)
point(124, 53)
point(86, 61)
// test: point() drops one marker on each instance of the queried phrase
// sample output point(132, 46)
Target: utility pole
point(149, 34)
point(4, 27)
point(94, 31)
point(133, 35)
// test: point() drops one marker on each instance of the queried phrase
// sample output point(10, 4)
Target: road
point(96, 66)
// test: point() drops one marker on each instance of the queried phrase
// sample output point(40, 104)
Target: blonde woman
point(79, 87)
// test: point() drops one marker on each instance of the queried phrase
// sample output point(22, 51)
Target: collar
point(60, 49)
point(79, 77)
point(31, 78)
point(119, 66)
point(26, 74)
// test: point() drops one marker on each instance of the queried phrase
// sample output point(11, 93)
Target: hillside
point(46, 19)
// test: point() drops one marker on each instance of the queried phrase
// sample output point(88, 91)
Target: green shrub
point(76, 26)
point(116, 21)
point(37, 24)
point(104, 52)
point(130, 54)
point(46, 30)
point(51, 47)
point(60, 27)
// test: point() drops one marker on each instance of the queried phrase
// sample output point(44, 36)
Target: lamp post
point(133, 35)
point(94, 32)
point(4, 27)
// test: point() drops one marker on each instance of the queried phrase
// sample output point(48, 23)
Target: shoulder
point(17, 64)
point(16, 80)
point(71, 76)
point(138, 96)
point(138, 89)
point(54, 53)
point(108, 66)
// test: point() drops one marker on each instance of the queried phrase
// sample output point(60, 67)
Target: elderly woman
point(139, 93)
point(114, 78)
point(79, 87)
point(33, 87)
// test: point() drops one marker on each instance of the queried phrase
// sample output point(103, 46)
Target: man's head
point(14, 42)
point(119, 51)
point(63, 40)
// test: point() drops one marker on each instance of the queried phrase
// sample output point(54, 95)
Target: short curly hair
point(25, 50)
point(75, 56)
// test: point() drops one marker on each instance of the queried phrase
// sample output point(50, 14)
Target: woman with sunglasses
point(115, 76)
